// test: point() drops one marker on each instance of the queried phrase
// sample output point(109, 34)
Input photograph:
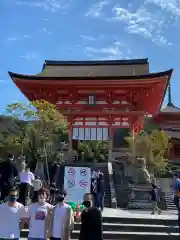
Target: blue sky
point(35, 30)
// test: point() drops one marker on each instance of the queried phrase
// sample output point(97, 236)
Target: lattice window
point(91, 100)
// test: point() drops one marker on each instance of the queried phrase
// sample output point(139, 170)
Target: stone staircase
point(133, 228)
point(104, 170)
point(169, 201)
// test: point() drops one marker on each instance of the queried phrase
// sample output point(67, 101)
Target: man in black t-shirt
point(91, 221)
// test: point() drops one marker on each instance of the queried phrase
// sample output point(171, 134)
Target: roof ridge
point(96, 62)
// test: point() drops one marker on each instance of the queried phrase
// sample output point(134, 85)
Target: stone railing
point(112, 186)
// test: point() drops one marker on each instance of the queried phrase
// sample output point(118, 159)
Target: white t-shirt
point(94, 175)
point(37, 184)
point(59, 214)
point(10, 219)
point(26, 177)
point(37, 215)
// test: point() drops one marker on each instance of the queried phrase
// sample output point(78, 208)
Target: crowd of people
point(27, 182)
point(44, 209)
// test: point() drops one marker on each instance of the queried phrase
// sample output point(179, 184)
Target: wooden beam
point(104, 113)
point(97, 107)
point(102, 126)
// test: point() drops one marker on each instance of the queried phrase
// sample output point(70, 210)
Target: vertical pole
point(110, 143)
point(70, 134)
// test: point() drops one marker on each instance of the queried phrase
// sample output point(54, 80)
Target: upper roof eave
point(133, 77)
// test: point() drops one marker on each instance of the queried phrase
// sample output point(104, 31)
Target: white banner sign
point(77, 182)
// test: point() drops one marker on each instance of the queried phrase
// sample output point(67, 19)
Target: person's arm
point(49, 223)
point(15, 171)
point(69, 223)
point(41, 184)
point(78, 214)
point(71, 219)
point(24, 217)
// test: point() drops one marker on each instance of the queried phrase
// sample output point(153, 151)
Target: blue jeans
point(100, 201)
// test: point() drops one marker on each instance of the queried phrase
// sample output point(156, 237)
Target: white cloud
point(96, 9)
point(116, 50)
point(27, 36)
point(30, 56)
point(140, 21)
point(47, 5)
point(12, 39)
point(88, 38)
point(45, 30)
point(171, 6)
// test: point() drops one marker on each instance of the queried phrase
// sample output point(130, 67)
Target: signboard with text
point(77, 182)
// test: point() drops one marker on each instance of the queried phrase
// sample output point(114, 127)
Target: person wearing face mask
point(61, 219)
point(91, 221)
point(37, 216)
point(11, 213)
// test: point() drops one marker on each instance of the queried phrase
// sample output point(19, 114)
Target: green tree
point(152, 147)
point(94, 150)
point(40, 127)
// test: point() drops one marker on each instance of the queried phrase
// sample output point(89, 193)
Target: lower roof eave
point(132, 77)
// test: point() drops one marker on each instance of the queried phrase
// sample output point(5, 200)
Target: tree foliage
point(150, 146)
point(38, 127)
point(94, 150)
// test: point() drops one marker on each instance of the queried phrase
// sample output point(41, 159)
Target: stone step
point(151, 220)
point(133, 235)
point(119, 227)
point(135, 227)
point(125, 235)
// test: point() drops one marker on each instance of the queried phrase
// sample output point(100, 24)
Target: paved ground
point(109, 212)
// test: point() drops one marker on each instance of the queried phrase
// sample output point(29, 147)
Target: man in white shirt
point(26, 179)
point(11, 214)
point(37, 215)
point(61, 220)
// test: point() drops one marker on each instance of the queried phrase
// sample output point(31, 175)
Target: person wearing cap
point(176, 189)
point(61, 219)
